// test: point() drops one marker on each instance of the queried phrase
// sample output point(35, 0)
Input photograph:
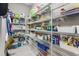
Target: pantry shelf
point(17, 24)
point(35, 49)
point(36, 39)
point(40, 10)
point(60, 6)
point(69, 12)
point(41, 49)
point(43, 7)
point(16, 30)
point(41, 31)
point(47, 42)
point(64, 33)
point(39, 21)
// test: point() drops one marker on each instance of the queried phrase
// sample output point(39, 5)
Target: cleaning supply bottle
point(49, 26)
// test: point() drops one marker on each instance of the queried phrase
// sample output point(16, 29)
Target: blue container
point(42, 46)
point(57, 42)
point(77, 44)
point(55, 39)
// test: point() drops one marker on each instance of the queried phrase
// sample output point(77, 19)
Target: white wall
point(19, 7)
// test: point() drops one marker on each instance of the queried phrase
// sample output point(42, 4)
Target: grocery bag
point(9, 42)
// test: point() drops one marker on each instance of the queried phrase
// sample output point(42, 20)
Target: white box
point(77, 29)
point(67, 29)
